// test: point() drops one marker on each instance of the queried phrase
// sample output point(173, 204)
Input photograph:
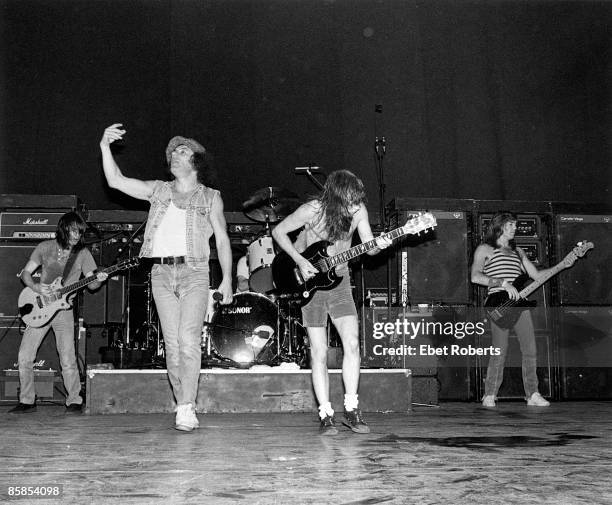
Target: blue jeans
point(63, 327)
point(181, 297)
point(526, 336)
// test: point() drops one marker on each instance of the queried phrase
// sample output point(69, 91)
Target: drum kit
point(260, 326)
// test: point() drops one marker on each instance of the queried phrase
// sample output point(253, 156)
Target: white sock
point(325, 409)
point(351, 402)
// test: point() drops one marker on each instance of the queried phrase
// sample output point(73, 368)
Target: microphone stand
point(309, 172)
point(128, 243)
point(313, 179)
point(380, 148)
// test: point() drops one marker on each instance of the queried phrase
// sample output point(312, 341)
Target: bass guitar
point(37, 310)
point(288, 278)
point(505, 312)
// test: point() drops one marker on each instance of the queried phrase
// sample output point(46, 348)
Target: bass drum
point(244, 330)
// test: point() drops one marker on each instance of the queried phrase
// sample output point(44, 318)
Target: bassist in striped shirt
point(497, 263)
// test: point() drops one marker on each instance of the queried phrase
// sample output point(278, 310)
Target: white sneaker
point(536, 400)
point(186, 419)
point(194, 418)
point(488, 401)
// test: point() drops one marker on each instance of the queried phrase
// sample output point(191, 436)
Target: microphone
point(217, 296)
point(297, 170)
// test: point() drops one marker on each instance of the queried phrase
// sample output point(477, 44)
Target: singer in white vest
point(184, 214)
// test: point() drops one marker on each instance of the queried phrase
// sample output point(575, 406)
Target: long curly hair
point(496, 229)
point(342, 189)
point(65, 224)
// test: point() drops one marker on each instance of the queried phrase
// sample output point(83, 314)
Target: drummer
point(242, 275)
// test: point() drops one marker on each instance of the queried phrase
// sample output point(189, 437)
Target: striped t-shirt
point(503, 266)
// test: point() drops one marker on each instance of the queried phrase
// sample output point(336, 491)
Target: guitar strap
point(69, 264)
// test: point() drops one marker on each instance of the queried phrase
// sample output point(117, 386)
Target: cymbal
point(271, 204)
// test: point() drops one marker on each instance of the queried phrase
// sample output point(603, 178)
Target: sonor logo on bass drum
point(238, 310)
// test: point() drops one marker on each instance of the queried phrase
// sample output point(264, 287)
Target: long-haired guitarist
point(333, 216)
point(498, 262)
point(53, 256)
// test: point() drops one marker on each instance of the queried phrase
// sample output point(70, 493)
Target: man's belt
point(169, 260)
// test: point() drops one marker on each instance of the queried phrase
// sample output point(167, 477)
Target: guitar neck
point(75, 286)
point(524, 293)
point(360, 249)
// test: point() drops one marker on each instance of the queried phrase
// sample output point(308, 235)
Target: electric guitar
point(37, 310)
point(288, 278)
point(505, 312)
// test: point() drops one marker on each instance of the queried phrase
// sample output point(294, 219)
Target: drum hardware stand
point(128, 245)
point(289, 333)
point(152, 335)
point(211, 358)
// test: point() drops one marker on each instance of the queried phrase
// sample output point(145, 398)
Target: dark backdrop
point(486, 100)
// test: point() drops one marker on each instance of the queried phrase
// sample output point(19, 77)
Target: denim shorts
point(337, 302)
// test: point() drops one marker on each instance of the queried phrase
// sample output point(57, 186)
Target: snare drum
point(260, 254)
point(244, 330)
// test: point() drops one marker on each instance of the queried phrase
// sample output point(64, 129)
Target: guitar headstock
point(422, 222)
point(577, 252)
point(129, 263)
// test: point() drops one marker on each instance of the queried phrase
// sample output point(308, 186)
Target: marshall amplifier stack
point(25, 220)
point(33, 217)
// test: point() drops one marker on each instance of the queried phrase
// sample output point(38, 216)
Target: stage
point(259, 389)
point(451, 453)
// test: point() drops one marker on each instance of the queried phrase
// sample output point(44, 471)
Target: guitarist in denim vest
point(497, 263)
point(333, 216)
point(184, 214)
point(52, 257)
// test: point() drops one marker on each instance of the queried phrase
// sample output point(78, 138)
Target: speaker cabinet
point(10, 339)
point(13, 257)
point(589, 281)
point(105, 305)
point(383, 347)
point(585, 352)
point(433, 267)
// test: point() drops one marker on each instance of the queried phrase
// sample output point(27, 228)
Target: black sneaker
point(23, 408)
point(328, 426)
point(354, 420)
point(74, 408)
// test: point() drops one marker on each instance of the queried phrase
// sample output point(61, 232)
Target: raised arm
point(224, 248)
point(115, 178)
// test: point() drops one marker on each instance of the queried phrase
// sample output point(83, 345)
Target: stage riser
point(237, 391)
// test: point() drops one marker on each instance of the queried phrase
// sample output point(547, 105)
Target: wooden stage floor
point(452, 454)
